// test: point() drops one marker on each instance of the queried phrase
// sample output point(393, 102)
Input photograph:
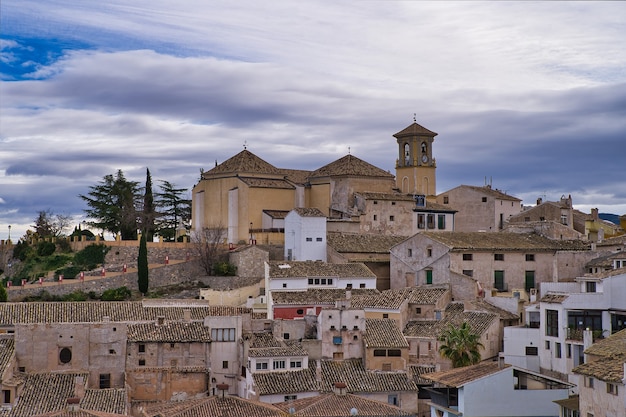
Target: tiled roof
point(45, 392)
point(301, 269)
point(315, 296)
point(617, 240)
point(350, 165)
point(362, 243)
point(418, 370)
point(215, 406)
point(612, 345)
point(287, 382)
point(244, 162)
point(78, 413)
point(457, 377)
point(7, 351)
point(608, 369)
point(297, 176)
point(479, 322)
point(110, 400)
point(97, 311)
point(169, 331)
point(340, 405)
point(393, 299)
point(386, 196)
point(495, 193)
point(432, 206)
point(503, 242)
point(606, 260)
point(554, 298)
point(415, 129)
point(383, 333)
point(359, 380)
point(484, 305)
point(262, 340)
point(266, 183)
point(285, 350)
point(309, 212)
point(276, 214)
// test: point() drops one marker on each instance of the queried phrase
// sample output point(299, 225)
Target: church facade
point(234, 195)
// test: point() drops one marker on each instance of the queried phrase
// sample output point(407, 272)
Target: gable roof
point(608, 369)
point(171, 331)
point(383, 333)
point(503, 242)
point(308, 212)
point(352, 166)
point(362, 243)
point(615, 344)
point(312, 296)
point(244, 162)
point(222, 406)
point(455, 314)
point(359, 380)
point(340, 406)
point(300, 269)
point(286, 382)
point(393, 299)
point(414, 129)
point(457, 377)
point(487, 191)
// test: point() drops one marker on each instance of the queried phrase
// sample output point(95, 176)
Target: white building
point(305, 235)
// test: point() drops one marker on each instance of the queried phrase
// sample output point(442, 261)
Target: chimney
point(594, 214)
point(339, 388)
point(73, 404)
point(160, 321)
point(539, 200)
point(318, 371)
point(187, 315)
point(79, 388)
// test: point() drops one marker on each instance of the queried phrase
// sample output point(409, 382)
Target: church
point(248, 198)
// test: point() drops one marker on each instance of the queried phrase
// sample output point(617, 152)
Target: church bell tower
point(415, 167)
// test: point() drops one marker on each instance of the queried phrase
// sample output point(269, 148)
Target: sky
point(529, 97)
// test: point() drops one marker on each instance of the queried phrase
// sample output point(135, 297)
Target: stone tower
point(415, 167)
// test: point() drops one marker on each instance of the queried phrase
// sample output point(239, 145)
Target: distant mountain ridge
point(613, 218)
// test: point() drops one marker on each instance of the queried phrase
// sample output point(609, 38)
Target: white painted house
point(305, 235)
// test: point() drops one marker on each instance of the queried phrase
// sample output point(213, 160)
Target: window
point(386, 367)
point(568, 350)
point(375, 217)
point(468, 272)
point(418, 310)
point(547, 345)
point(105, 381)
point(142, 362)
point(290, 398)
point(172, 345)
point(337, 340)
point(467, 256)
point(141, 348)
point(6, 396)
point(431, 221)
point(421, 221)
point(380, 352)
point(224, 364)
point(318, 239)
point(348, 286)
point(530, 257)
point(393, 203)
point(498, 257)
point(309, 239)
point(484, 199)
point(611, 388)
point(589, 382)
point(295, 364)
point(394, 352)
point(317, 281)
point(564, 219)
point(529, 280)
point(310, 281)
point(385, 315)
point(300, 311)
point(441, 221)
point(391, 218)
point(392, 399)
point(361, 285)
point(429, 252)
point(557, 350)
point(65, 355)
point(261, 366)
point(498, 280)
point(409, 252)
point(375, 202)
point(223, 335)
point(284, 285)
point(532, 351)
point(590, 287)
point(446, 200)
point(429, 276)
point(552, 323)
point(286, 335)
point(278, 364)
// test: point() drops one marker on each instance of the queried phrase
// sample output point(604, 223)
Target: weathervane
point(415, 117)
point(348, 150)
point(245, 145)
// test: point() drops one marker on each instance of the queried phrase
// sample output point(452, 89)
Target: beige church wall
point(215, 209)
point(319, 197)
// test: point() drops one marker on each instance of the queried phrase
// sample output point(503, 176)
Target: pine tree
point(142, 266)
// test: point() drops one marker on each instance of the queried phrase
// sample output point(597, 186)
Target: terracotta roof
point(316, 296)
point(297, 176)
point(276, 214)
point(393, 299)
point(309, 212)
point(493, 192)
point(479, 322)
point(170, 331)
point(457, 377)
point(615, 344)
point(484, 305)
point(415, 129)
point(616, 240)
point(7, 352)
point(385, 196)
point(340, 406)
point(362, 243)
point(275, 351)
point(432, 206)
point(266, 183)
point(301, 269)
point(503, 242)
point(606, 260)
point(46, 392)
point(286, 382)
point(215, 406)
point(418, 370)
point(262, 340)
point(350, 165)
point(554, 298)
point(97, 311)
point(608, 369)
point(110, 400)
point(244, 162)
point(359, 380)
point(383, 333)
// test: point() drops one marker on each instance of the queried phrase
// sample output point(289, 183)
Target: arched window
point(65, 355)
point(424, 148)
point(407, 154)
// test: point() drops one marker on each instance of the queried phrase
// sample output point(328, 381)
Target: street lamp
point(9, 239)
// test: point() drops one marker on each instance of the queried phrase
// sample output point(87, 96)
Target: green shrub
point(75, 296)
point(116, 294)
point(92, 256)
point(22, 250)
point(224, 269)
point(69, 272)
point(46, 248)
point(64, 245)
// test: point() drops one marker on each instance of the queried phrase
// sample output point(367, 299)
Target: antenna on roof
point(245, 145)
point(348, 150)
point(415, 117)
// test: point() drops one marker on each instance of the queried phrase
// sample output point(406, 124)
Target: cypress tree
point(142, 265)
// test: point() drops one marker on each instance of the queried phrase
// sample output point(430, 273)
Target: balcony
point(445, 397)
point(577, 334)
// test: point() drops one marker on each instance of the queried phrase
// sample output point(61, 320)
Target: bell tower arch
point(415, 167)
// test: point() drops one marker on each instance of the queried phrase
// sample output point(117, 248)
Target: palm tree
point(461, 345)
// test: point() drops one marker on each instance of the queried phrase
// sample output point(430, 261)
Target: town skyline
point(533, 106)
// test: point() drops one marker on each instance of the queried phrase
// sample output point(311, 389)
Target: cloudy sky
point(527, 96)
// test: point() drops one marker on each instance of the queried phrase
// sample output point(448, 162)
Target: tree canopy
point(174, 209)
point(461, 345)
